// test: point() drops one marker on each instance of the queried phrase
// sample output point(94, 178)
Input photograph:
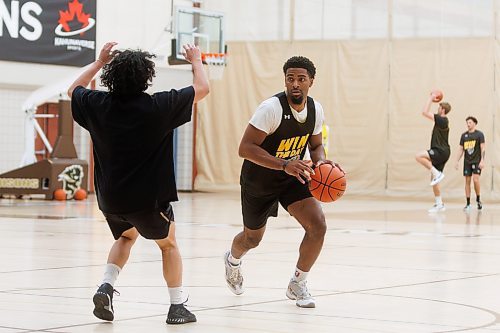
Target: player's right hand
point(300, 169)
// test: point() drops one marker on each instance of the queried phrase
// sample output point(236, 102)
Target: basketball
point(80, 194)
point(60, 194)
point(328, 183)
point(438, 96)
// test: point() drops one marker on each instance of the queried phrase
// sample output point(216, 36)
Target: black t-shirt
point(440, 133)
point(133, 145)
point(471, 142)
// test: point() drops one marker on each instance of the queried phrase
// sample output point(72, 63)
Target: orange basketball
point(438, 96)
point(80, 194)
point(60, 194)
point(328, 183)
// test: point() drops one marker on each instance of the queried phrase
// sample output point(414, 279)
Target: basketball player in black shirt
point(273, 172)
point(472, 144)
point(436, 157)
point(132, 136)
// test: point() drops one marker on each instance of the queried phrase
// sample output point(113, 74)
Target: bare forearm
point(318, 154)
point(200, 81)
point(426, 111)
point(260, 156)
point(460, 155)
point(87, 76)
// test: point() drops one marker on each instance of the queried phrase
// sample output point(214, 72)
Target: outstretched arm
point(84, 79)
point(426, 112)
point(200, 82)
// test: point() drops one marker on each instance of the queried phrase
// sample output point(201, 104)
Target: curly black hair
point(300, 62)
point(129, 73)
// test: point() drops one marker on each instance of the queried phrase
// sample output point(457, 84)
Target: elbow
point(201, 92)
point(206, 90)
point(241, 151)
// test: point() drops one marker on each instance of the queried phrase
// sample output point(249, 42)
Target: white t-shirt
point(267, 117)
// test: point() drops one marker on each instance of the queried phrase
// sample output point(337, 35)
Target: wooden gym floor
point(387, 266)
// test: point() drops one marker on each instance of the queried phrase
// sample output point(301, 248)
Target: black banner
point(58, 32)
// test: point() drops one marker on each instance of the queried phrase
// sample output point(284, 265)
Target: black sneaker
point(178, 314)
point(103, 302)
point(479, 205)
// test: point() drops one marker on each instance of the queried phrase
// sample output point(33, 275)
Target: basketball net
point(215, 63)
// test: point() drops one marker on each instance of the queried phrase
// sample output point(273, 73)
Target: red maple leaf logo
point(75, 8)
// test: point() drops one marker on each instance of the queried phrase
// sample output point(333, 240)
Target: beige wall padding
point(373, 93)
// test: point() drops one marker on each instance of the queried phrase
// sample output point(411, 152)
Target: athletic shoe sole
point(101, 301)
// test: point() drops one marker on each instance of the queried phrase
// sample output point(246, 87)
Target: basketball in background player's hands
point(437, 95)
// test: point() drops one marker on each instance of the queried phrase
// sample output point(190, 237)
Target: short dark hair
point(300, 62)
point(471, 118)
point(446, 106)
point(129, 73)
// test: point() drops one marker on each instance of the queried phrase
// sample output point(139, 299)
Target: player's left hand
point(317, 164)
point(191, 52)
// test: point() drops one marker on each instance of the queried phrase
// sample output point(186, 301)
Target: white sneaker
point(437, 208)
point(467, 208)
point(234, 278)
point(298, 292)
point(439, 177)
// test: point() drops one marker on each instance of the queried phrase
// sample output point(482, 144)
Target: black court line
point(21, 330)
point(38, 217)
point(495, 315)
point(277, 252)
point(360, 291)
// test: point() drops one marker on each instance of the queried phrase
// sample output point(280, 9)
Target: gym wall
point(373, 93)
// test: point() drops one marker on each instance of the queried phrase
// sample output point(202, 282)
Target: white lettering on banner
point(11, 20)
point(74, 44)
point(30, 20)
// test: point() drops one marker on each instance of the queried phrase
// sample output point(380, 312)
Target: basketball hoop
point(215, 63)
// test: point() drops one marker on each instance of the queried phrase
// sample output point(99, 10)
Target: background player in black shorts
point(132, 136)
point(472, 144)
point(273, 172)
point(436, 157)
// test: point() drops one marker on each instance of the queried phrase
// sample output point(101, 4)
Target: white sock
point(439, 200)
point(435, 171)
point(111, 274)
point(299, 275)
point(233, 261)
point(177, 295)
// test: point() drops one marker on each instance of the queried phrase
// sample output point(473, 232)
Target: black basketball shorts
point(471, 168)
point(256, 209)
point(438, 157)
point(150, 224)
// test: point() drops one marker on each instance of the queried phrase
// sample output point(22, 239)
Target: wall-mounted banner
point(59, 32)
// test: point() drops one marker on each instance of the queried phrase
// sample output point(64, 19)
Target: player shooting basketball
point(436, 157)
